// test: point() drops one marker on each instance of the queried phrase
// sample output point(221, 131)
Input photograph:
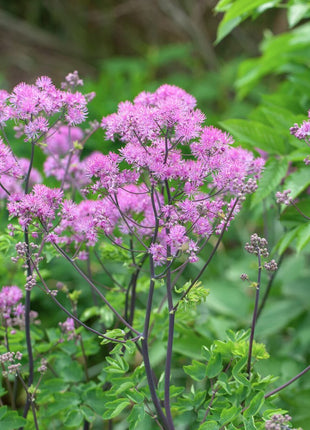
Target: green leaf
point(303, 237)
point(136, 415)
point(272, 175)
point(53, 386)
point(225, 27)
point(117, 333)
point(279, 52)
point(277, 316)
point(255, 135)
point(236, 372)
point(286, 240)
point(228, 414)
point(214, 365)
point(88, 413)
point(124, 387)
point(74, 418)
point(62, 402)
point(249, 424)
point(296, 13)
point(196, 370)
point(3, 411)
point(255, 405)
point(135, 396)
point(237, 12)
point(297, 182)
point(115, 408)
point(210, 425)
point(11, 421)
point(95, 399)
point(117, 364)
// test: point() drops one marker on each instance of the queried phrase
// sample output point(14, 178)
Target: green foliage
point(236, 11)
point(10, 420)
point(196, 295)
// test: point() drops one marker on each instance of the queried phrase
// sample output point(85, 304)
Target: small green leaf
point(210, 425)
point(271, 177)
point(3, 411)
point(286, 240)
point(249, 424)
point(255, 135)
point(228, 414)
point(296, 13)
point(136, 415)
point(135, 396)
point(237, 11)
point(236, 371)
point(255, 405)
point(62, 401)
point(88, 413)
point(196, 370)
point(303, 237)
point(115, 408)
point(74, 418)
point(117, 333)
point(214, 365)
point(297, 182)
point(12, 421)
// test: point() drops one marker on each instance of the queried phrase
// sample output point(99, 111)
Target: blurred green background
point(128, 45)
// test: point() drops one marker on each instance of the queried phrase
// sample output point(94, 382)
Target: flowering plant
point(156, 203)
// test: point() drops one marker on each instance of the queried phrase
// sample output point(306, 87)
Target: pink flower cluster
point(11, 310)
point(41, 204)
point(81, 223)
point(302, 132)
point(68, 329)
point(172, 184)
point(32, 105)
point(194, 173)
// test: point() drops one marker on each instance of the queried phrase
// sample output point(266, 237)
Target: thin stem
point(169, 360)
point(125, 221)
point(145, 351)
point(171, 327)
point(268, 288)
point(214, 391)
point(210, 256)
point(300, 211)
point(151, 384)
point(71, 315)
point(254, 319)
point(85, 277)
point(276, 390)
point(33, 408)
point(5, 190)
point(107, 271)
point(28, 293)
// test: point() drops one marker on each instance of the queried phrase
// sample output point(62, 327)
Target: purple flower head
point(31, 106)
point(60, 139)
point(41, 204)
point(10, 307)
point(168, 150)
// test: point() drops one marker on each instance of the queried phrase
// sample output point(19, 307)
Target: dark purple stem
point(254, 319)
point(210, 257)
point(145, 352)
point(28, 294)
point(276, 390)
